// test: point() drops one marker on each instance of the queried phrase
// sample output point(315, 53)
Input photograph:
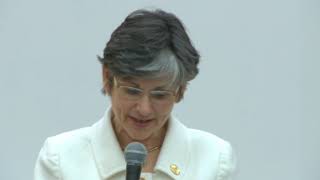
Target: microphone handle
point(133, 172)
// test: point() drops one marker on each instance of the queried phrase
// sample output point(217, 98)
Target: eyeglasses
point(159, 97)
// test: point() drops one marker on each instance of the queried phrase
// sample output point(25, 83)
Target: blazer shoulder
point(212, 146)
point(206, 139)
point(67, 141)
point(48, 164)
point(214, 149)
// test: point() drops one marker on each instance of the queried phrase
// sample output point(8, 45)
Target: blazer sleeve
point(47, 165)
point(227, 163)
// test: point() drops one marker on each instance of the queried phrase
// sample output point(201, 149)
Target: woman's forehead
point(159, 83)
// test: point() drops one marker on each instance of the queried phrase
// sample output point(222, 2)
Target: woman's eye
point(133, 91)
point(160, 95)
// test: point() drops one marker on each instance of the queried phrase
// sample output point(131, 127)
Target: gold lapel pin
point(174, 169)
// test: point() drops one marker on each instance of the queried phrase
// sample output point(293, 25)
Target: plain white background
point(258, 85)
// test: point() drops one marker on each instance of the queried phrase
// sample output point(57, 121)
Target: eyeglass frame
point(143, 91)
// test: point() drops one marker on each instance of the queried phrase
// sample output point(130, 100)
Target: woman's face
point(141, 115)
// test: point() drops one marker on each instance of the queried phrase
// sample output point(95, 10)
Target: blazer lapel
point(106, 149)
point(174, 156)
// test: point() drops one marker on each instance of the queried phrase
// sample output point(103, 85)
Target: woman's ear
point(180, 93)
point(106, 80)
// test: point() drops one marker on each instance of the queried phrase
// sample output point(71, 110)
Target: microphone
point(135, 154)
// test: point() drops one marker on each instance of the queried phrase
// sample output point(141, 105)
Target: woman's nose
point(144, 106)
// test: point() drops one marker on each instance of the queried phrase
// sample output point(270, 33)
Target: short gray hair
point(165, 66)
point(150, 45)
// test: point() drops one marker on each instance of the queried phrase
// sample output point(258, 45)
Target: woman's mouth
point(140, 123)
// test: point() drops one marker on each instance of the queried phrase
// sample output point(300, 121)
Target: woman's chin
point(139, 136)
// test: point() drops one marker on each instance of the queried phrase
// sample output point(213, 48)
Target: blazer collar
point(110, 159)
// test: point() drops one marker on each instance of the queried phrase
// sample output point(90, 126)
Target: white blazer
point(93, 153)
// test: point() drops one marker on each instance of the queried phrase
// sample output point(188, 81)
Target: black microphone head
point(135, 153)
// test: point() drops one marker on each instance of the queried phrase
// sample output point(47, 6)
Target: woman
point(146, 66)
